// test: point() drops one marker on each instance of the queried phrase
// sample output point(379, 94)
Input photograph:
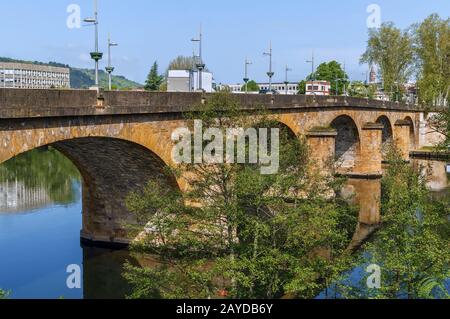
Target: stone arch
point(348, 145)
point(412, 133)
point(387, 135)
point(111, 168)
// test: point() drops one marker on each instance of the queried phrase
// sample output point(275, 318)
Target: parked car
point(273, 92)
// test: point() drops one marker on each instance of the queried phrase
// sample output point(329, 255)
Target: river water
point(40, 222)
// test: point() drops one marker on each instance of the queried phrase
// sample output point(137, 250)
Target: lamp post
point(312, 67)
point(110, 68)
point(286, 82)
point(200, 65)
point(345, 77)
point(96, 55)
point(246, 79)
point(270, 74)
point(337, 87)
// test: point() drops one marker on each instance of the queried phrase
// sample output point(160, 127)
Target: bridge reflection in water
point(42, 189)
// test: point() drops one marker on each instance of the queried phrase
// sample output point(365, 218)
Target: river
point(40, 222)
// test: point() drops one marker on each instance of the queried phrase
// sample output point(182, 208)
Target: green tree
point(440, 123)
point(362, 90)
point(392, 51)
point(154, 80)
point(411, 250)
point(432, 48)
point(331, 72)
point(252, 86)
point(302, 87)
point(182, 63)
point(244, 234)
point(3, 294)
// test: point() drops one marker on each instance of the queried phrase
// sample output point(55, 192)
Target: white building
point(280, 88)
point(188, 81)
point(33, 76)
point(318, 88)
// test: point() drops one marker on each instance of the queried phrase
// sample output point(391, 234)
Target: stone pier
point(371, 157)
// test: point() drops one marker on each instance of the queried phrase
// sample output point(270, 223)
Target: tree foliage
point(432, 49)
point(361, 90)
point(410, 248)
point(182, 63)
point(3, 294)
point(154, 80)
point(331, 72)
point(240, 234)
point(440, 123)
point(302, 87)
point(392, 51)
point(252, 86)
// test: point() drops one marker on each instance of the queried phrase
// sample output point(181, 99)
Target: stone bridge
point(121, 140)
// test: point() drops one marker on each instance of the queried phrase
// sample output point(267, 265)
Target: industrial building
point(188, 81)
point(33, 76)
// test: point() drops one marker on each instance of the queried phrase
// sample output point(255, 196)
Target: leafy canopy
point(392, 51)
point(238, 233)
point(154, 80)
point(252, 86)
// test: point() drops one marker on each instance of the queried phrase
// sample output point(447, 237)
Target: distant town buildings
point(372, 75)
point(188, 81)
point(318, 88)
point(280, 88)
point(33, 76)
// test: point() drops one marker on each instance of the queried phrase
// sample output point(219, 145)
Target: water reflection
point(36, 180)
point(366, 194)
point(40, 222)
point(436, 172)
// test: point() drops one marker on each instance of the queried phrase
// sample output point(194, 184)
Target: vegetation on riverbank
point(3, 294)
point(244, 235)
point(247, 235)
point(411, 247)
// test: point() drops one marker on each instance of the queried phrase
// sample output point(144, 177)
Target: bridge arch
point(348, 142)
point(110, 169)
point(387, 135)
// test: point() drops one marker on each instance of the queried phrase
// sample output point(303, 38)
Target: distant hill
point(85, 78)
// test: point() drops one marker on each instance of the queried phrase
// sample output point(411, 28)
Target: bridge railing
point(25, 103)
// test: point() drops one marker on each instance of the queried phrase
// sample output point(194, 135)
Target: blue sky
point(150, 30)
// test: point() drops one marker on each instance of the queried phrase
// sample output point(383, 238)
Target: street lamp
point(109, 68)
point(200, 65)
point(345, 77)
point(246, 79)
point(337, 85)
point(312, 66)
point(286, 82)
point(270, 74)
point(96, 56)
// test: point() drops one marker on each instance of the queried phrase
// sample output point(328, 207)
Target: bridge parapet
point(21, 103)
point(121, 140)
